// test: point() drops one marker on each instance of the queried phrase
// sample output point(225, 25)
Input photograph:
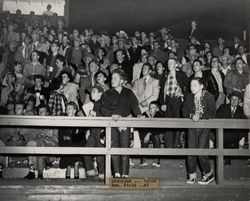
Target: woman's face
point(196, 87)
point(65, 79)
point(100, 78)
point(70, 111)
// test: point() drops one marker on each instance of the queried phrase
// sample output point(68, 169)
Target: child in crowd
point(71, 137)
point(151, 134)
point(94, 138)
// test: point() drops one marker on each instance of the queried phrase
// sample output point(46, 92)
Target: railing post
point(108, 156)
point(219, 158)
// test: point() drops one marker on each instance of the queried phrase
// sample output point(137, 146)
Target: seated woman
point(71, 137)
point(199, 104)
point(68, 88)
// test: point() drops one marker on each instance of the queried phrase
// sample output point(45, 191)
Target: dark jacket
point(211, 84)
point(207, 102)
point(123, 104)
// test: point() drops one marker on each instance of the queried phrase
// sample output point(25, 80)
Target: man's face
point(220, 41)
point(134, 41)
point(43, 111)
point(196, 67)
point(159, 68)
point(145, 70)
point(65, 40)
point(171, 64)
point(54, 47)
point(156, 45)
point(38, 83)
point(95, 95)
point(234, 101)
point(215, 63)
point(18, 68)
point(119, 55)
point(34, 56)
point(241, 49)
point(239, 65)
point(224, 61)
point(19, 109)
point(195, 86)
point(151, 60)
point(93, 67)
point(116, 80)
point(35, 37)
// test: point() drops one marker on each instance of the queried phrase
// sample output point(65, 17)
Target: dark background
point(215, 17)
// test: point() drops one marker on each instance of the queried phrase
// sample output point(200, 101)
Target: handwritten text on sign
point(133, 183)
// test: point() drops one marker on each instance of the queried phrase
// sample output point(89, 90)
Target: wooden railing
point(108, 123)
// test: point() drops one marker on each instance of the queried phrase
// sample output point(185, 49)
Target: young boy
point(94, 138)
point(153, 134)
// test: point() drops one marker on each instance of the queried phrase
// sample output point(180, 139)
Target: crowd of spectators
point(47, 69)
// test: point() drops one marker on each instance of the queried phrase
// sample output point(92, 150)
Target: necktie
point(144, 82)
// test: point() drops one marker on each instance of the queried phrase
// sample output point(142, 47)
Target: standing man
point(173, 88)
point(146, 88)
point(119, 102)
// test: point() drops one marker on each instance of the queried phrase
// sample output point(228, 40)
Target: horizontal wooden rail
point(120, 151)
point(108, 123)
point(64, 121)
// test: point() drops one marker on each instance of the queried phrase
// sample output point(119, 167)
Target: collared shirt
point(218, 80)
point(225, 70)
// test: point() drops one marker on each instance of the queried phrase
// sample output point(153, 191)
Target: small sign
point(133, 183)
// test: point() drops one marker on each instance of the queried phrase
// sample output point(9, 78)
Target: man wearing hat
point(232, 110)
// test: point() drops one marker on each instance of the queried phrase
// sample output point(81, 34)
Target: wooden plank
point(108, 173)
point(8, 120)
point(219, 158)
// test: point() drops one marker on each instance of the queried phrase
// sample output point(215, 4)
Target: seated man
point(232, 110)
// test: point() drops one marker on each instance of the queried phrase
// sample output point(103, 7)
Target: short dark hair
point(121, 73)
point(43, 106)
point(74, 106)
point(197, 60)
point(149, 65)
point(38, 76)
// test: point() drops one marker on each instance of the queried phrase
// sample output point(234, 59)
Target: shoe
point(124, 176)
point(1, 174)
point(76, 177)
point(144, 164)
point(40, 176)
point(117, 175)
point(156, 164)
point(101, 177)
point(206, 179)
point(67, 177)
point(192, 181)
point(30, 175)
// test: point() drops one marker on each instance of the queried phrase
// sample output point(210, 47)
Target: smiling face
point(116, 81)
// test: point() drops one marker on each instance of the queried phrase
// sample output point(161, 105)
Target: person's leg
point(156, 144)
point(41, 164)
point(145, 138)
point(1, 160)
point(204, 143)
point(124, 143)
point(89, 159)
point(192, 160)
point(115, 159)
point(68, 172)
point(76, 170)
point(32, 162)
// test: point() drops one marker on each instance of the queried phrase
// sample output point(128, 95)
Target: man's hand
point(196, 117)
point(116, 117)
point(164, 108)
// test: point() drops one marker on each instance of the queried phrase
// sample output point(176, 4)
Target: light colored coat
point(149, 94)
